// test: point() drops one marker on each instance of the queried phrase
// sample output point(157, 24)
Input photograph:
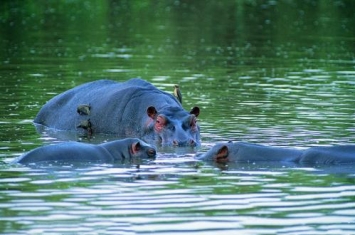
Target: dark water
point(279, 73)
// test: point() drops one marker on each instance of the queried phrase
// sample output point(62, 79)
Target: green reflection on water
point(248, 64)
point(233, 35)
point(270, 67)
point(278, 72)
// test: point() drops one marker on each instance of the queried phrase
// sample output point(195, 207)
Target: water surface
point(278, 73)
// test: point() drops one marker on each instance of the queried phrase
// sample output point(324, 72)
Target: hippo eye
point(193, 122)
point(172, 128)
point(160, 120)
point(160, 123)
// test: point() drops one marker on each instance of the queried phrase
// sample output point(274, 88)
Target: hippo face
point(142, 150)
point(218, 153)
point(174, 126)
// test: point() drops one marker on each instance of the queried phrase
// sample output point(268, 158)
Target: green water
point(278, 73)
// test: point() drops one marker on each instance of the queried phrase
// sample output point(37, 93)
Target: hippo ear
point(222, 154)
point(195, 111)
point(152, 112)
point(136, 147)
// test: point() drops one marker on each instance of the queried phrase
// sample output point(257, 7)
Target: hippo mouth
point(184, 143)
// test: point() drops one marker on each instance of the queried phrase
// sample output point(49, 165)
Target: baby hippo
point(249, 153)
point(110, 152)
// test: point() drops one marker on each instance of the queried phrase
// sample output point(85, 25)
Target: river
point(278, 73)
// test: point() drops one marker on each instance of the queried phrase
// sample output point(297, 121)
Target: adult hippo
point(130, 149)
point(134, 108)
point(243, 152)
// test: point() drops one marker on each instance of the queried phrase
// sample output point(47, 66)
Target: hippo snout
point(200, 156)
point(190, 142)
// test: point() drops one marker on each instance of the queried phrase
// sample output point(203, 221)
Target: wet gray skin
point(134, 108)
point(124, 150)
point(249, 153)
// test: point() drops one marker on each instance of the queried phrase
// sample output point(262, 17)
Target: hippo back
point(117, 108)
point(66, 152)
point(329, 155)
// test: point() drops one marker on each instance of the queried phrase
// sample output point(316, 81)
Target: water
point(278, 73)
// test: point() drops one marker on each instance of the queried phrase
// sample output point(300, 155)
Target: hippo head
point(218, 153)
point(174, 126)
point(143, 150)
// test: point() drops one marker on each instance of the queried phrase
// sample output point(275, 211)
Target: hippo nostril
point(175, 143)
point(192, 142)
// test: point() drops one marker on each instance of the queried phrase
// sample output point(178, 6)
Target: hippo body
point(328, 155)
point(243, 152)
point(129, 149)
point(134, 108)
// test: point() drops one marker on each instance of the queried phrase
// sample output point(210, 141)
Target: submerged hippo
point(129, 149)
point(246, 152)
point(134, 108)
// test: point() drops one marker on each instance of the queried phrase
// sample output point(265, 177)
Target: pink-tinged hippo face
point(175, 126)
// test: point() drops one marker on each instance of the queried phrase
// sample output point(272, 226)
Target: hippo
point(134, 108)
point(129, 149)
point(243, 152)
